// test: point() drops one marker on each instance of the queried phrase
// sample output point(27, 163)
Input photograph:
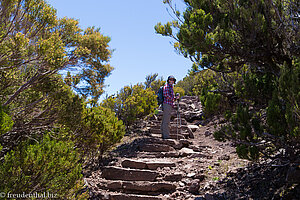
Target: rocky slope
point(191, 165)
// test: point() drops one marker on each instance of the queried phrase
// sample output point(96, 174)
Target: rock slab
point(117, 173)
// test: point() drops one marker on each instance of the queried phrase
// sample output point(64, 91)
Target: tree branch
point(22, 88)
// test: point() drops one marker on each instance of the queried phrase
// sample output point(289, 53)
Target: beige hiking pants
point(165, 124)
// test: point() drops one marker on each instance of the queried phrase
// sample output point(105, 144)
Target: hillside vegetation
point(246, 68)
point(51, 76)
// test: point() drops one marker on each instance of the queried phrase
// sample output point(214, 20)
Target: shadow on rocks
point(259, 181)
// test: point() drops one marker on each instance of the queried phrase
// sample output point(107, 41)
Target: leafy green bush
point(45, 166)
point(276, 117)
point(211, 103)
point(100, 130)
point(289, 91)
point(223, 133)
point(6, 122)
point(132, 103)
point(210, 87)
point(155, 85)
point(179, 90)
point(247, 152)
point(244, 127)
point(152, 81)
point(241, 123)
point(257, 87)
point(187, 84)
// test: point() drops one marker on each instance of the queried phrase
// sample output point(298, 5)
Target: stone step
point(156, 122)
point(194, 98)
point(155, 148)
point(183, 121)
point(147, 154)
point(118, 173)
point(187, 135)
point(156, 130)
point(177, 176)
point(121, 196)
point(172, 136)
point(173, 154)
point(138, 187)
point(146, 164)
point(175, 136)
point(173, 126)
point(185, 153)
point(176, 144)
point(133, 197)
point(173, 113)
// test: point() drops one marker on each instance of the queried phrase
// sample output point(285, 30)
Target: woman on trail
point(168, 105)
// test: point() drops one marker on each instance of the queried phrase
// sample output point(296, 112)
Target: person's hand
point(177, 97)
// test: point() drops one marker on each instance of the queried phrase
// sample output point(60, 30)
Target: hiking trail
point(150, 168)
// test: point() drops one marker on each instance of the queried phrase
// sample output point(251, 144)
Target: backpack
point(160, 95)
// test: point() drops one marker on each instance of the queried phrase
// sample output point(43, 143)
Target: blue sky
point(138, 50)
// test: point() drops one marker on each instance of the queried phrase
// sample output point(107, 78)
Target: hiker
point(168, 106)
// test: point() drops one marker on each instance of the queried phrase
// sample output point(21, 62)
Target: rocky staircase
point(154, 170)
point(144, 177)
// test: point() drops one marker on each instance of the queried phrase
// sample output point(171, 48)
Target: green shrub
point(132, 103)
point(6, 123)
point(100, 130)
point(243, 127)
point(154, 82)
point(212, 91)
point(45, 166)
point(247, 152)
point(276, 116)
point(155, 85)
point(257, 87)
point(211, 103)
point(139, 104)
point(289, 90)
point(187, 84)
point(241, 122)
point(179, 90)
point(223, 133)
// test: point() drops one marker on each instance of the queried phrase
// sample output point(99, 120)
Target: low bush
point(132, 103)
point(47, 165)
